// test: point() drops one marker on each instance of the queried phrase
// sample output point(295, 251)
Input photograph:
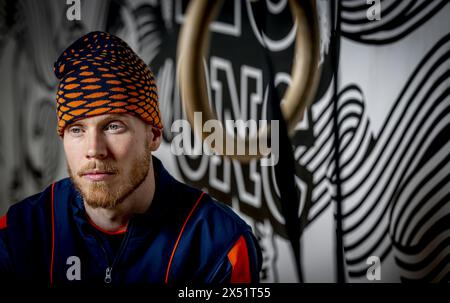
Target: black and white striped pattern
point(395, 186)
point(398, 19)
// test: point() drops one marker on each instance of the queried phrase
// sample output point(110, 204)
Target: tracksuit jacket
point(184, 237)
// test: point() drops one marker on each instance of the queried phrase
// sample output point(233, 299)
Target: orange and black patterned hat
point(100, 74)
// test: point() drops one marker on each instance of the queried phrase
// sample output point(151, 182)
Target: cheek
point(73, 153)
point(129, 153)
point(122, 148)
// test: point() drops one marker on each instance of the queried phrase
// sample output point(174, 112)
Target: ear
point(155, 136)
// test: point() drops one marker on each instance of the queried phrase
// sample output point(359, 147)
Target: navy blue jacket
point(184, 237)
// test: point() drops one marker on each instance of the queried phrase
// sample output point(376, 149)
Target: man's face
point(109, 156)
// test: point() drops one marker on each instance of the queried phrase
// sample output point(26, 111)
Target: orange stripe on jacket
point(3, 222)
point(238, 256)
point(179, 237)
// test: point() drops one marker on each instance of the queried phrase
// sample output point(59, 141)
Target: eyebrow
point(111, 117)
point(114, 117)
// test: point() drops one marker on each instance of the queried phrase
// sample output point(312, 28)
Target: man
point(120, 218)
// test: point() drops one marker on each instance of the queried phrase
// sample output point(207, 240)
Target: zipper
point(108, 278)
point(109, 269)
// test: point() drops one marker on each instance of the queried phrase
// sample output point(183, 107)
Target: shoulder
point(38, 204)
point(216, 212)
point(202, 209)
point(213, 221)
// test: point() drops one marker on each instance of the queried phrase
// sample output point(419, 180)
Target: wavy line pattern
point(356, 143)
point(398, 19)
point(396, 186)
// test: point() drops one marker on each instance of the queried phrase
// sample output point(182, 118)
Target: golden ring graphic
point(193, 44)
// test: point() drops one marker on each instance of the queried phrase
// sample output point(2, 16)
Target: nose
point(97, 148)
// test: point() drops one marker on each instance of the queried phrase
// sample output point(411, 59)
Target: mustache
point(104, 167)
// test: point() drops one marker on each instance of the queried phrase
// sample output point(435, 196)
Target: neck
point(137, 202)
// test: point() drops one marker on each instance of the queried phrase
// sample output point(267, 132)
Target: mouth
point(98, 175)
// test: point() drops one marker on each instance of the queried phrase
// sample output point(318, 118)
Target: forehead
point(105, 118)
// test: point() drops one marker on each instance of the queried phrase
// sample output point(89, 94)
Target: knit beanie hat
point(100, 74)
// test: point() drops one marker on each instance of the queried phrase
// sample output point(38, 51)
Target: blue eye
point(75, 130)
point(115, 127)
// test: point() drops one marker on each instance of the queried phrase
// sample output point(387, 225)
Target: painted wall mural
point(375, 143)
